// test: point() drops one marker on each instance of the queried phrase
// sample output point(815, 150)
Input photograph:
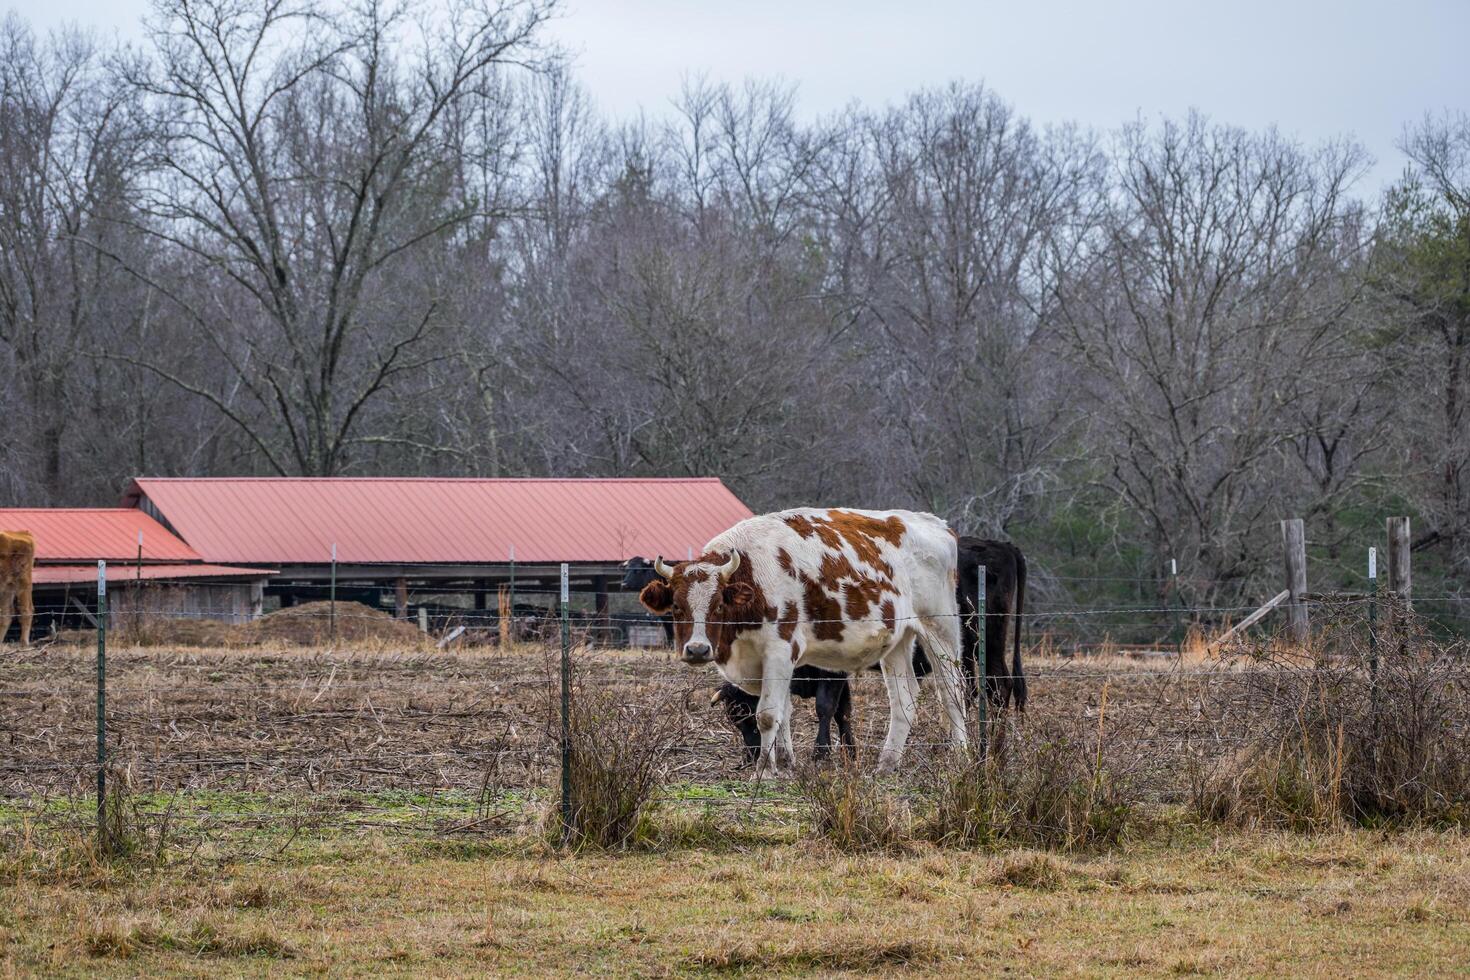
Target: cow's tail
point(1018, 676)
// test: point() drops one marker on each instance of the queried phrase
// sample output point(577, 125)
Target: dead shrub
point(1371, 727)
point(852, 809)
point(1067, 783)
point(619, 753)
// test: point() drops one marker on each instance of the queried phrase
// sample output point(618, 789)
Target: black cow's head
point(637, 572)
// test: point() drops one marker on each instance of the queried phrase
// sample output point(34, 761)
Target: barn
point(446, 546)
point(149, 569)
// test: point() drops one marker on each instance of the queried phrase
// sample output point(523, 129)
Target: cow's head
point(637, 572)
point(708, 603)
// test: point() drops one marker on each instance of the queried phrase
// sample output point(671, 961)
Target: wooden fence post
point(1399, 580)
point(1294, 539)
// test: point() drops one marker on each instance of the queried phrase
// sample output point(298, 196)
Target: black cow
point(834, 703)
point(1005, 597)
point(638, 572)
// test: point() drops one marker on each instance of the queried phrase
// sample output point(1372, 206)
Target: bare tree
point(1200, 318)
point(306, 159)
point(68, 165)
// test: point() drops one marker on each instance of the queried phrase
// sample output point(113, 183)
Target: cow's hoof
point(887, 764)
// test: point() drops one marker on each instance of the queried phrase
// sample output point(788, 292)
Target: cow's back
point(847, 581)
point(17, 556)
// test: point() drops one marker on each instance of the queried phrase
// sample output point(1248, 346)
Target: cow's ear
point(657, 597)
point(739, 595)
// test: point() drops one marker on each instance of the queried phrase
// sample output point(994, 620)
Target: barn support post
point(400, 605)
point(1399, 581)
point(138, 589)
point(566, 708)
point(333, 611)
point(1294, 540)
point(512, 605)
point(981, 661)
point(604, 616)
point(102, 842)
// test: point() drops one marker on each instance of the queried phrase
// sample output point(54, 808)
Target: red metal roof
point(75, 534)
point(123, 572)
point(440, 521)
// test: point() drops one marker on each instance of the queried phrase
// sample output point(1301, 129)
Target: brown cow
point(17, 558)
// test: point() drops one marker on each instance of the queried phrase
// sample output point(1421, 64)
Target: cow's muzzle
point(697, 653)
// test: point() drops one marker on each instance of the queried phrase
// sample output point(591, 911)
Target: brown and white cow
point(17, 558)
point(837, 589)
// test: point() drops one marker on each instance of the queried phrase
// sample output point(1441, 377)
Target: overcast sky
point(1316, 70)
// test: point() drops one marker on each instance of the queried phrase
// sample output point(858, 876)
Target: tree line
point(286, 237)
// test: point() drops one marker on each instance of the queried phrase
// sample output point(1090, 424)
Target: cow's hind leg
point(7, 602)
point(941, 638)
point(27, 613)
point(903, 701)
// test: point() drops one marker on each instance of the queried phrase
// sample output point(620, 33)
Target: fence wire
point(471, 733)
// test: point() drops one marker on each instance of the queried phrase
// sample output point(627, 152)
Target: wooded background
point(287, 238)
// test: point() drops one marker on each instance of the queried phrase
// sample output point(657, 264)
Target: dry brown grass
point(1344, 730)
point(1356, 903)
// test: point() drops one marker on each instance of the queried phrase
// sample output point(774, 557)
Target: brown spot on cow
point(790, 615)
point(835, 568)
point(795, 651)
point(862, 534)
point(862, 595)
point(823, 612)
point(890, 617)
point(806, 527)
point(783, 559)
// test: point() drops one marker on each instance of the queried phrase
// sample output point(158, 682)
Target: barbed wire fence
point(470, 741)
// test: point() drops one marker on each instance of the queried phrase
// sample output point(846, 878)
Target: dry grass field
point(753, 902)
point(372, 811)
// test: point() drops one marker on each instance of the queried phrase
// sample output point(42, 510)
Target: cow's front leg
point(786, 750)
point(774, 708)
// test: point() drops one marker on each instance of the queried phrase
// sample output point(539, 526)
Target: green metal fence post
point(102, 842)
point(1373, 641)
point(566, 708)
point(1177, 601)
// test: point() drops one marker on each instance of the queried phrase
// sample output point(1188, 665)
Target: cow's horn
point(663, 570)
point(730, 567)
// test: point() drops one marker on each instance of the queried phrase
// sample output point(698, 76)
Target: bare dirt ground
point(375, 717)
